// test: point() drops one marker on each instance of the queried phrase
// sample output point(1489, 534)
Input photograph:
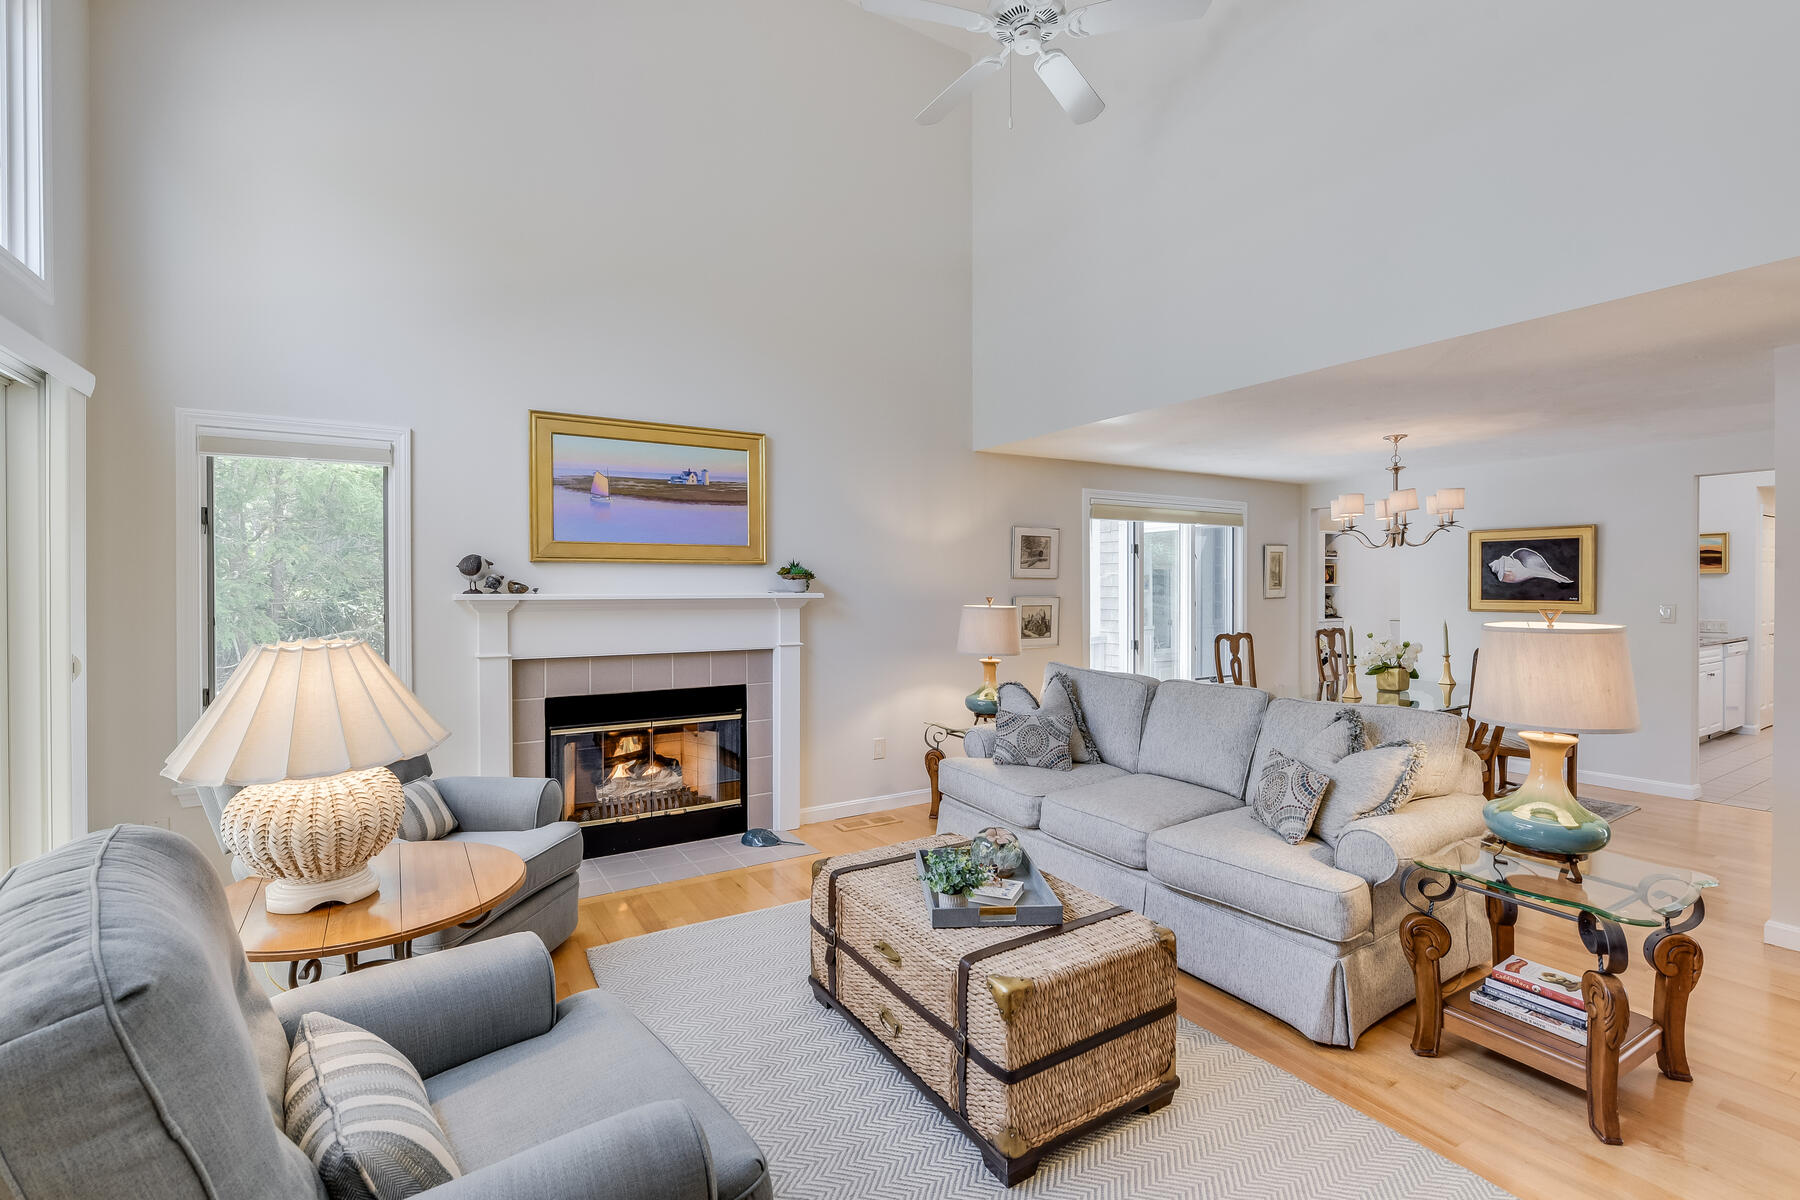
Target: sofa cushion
point(1444, 735)
point(1060, 699)
point(1113, 819)
point(1291, 726)
point(1203, 733)
point(1232, 858)
point(1371, 784)
point(1113, 704)
point(550, 852)
point(1011, 795)
point(357, 1107)
point(597, 1061)
point(1034, 739)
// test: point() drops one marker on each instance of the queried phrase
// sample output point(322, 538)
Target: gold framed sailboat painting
point(606, 490)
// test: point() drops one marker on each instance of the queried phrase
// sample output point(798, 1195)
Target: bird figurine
point(1522, 564)
point(473, 565)
point(492, 583)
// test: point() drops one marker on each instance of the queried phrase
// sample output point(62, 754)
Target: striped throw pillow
point(427, 818)
point(357, 1108)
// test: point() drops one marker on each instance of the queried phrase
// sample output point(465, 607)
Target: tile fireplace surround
point(529, 647)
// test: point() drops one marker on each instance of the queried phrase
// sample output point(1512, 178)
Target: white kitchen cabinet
point(1712, 691)
point(1737, 661)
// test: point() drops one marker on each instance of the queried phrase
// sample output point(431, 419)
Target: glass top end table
point(1600, 893)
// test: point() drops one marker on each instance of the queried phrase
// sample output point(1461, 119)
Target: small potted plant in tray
point(794, 577)
point(952, 873)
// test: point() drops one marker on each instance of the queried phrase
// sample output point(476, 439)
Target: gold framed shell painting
point(606, 490)
point(1525, 570)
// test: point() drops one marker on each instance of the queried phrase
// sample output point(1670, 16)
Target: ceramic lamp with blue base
point(990, 630)
point(1539, 677)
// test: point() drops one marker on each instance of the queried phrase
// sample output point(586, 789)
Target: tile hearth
point(666, 864)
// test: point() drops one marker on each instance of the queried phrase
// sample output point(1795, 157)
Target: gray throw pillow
point(426, 817)
point(1288, 796)
point(1060, 700)
point(1372, 783)
point(358, 1109)
point(1039, 739)
point(1338, 740)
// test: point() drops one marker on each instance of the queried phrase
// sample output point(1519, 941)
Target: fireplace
point(643, 769)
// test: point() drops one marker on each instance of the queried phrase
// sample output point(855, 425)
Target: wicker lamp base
point(313, 838)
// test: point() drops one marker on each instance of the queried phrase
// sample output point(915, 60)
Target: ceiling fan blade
point(931, 10)
point(1071, 89)
point(1110, 15)
point(959, 91)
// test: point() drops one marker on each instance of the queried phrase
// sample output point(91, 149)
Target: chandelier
point(1392, 512)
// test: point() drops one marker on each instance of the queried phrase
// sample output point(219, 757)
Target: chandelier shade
point(1443, 504)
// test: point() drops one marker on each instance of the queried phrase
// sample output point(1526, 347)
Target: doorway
point(1735, 657)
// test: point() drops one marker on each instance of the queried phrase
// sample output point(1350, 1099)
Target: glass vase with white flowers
point(1394, 664)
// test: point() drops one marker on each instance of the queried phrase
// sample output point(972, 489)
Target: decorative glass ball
point(999, 850)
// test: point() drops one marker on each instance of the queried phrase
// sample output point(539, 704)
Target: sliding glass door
point(1163, 582)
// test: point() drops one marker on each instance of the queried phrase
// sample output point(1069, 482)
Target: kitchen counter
point(1721, 639)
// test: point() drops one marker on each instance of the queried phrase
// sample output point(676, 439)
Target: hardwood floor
point(1734, 1131)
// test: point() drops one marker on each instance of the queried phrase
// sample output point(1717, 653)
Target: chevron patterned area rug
point(730, 998)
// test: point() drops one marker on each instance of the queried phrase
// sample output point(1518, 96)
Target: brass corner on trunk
point(819, 865)
point(1165, 937)
point(1011, 1144)
point(1008, 991)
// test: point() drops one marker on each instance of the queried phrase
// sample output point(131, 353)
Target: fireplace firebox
point(643, 769)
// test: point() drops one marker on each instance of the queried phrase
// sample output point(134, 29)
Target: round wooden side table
point(425, 887)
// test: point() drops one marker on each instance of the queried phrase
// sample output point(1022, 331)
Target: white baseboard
point(856, 808)
point(1780, 933)
point(1625, 783)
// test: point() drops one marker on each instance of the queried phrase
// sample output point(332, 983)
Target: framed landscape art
point(1034, 552)
point(1039, 620)
point(634, 491)
point(1524, 570)
point(1715, 554)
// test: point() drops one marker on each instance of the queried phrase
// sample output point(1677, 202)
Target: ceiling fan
point(1026, 29)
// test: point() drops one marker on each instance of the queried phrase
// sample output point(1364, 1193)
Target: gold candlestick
point(1351, 694)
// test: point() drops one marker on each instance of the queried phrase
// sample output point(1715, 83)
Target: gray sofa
point(1305, 933)
point(523, 815)
point(142, 1059)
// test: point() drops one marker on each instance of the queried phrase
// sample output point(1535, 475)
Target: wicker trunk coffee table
point(1026, 1037)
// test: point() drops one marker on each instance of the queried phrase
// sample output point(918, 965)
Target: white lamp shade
point(1403, 501)
point(1562, 678)
point(1350, 504)
point(1337, 510)
point(304, 710)
point(1431, 504)
point(989, 630)
point(1450, 499)
point(1381, 509)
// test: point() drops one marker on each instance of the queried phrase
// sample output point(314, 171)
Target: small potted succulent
point(999, 850)
point(794, 577)
point(952, 872)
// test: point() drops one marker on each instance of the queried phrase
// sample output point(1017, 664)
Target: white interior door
point(1765, 625)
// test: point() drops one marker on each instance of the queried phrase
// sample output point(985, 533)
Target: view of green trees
point(299, 550)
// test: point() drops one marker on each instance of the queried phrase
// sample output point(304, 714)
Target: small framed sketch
point(1715, 554)
point(1034, 552)
point(1274, 572)
point(1040, 620)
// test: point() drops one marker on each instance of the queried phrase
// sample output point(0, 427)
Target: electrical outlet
point(880, 747)
point(1665, 613)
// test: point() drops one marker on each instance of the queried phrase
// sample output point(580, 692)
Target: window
point(1164, 579)
point(22, 163)
point(300, 530)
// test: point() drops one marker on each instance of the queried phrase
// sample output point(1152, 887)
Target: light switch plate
point(1666, 613)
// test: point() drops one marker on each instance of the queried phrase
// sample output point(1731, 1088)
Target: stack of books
point(1005, 891)
point(1542, 997)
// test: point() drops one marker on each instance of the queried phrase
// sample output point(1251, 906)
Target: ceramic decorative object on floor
point(836, 1120)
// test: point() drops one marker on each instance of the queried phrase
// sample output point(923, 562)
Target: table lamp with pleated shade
point(308, 729)
point(990, 630)
point(1552, 681)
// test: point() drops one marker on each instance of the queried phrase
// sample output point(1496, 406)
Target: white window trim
point(191, 630)
point(1091, 496)
point(25, 143)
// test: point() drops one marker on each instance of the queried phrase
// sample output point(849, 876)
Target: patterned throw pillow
point(427, 818)
point(358, 1110)
point(1288, 796)
point(1059, 700)
point(1370, 784)
point(1039, 739)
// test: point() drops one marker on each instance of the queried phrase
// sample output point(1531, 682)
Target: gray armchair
point(141, 1058)
point(524, 816)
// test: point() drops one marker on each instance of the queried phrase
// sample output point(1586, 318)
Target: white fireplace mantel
point(541, 625)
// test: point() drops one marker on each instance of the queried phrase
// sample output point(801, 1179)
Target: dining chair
point(1333, 646)
point(1243, 659)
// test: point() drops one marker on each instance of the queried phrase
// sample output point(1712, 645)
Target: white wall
point(711, 213)
point(1731, 504)
point(1284, 187)
point(1783, 928)
point(1644, 503)
point(54, 310)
